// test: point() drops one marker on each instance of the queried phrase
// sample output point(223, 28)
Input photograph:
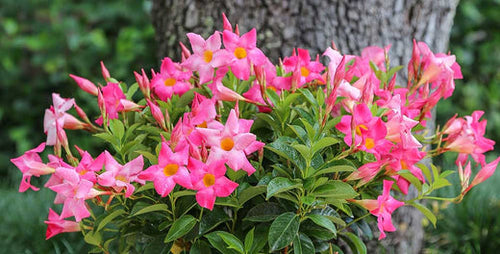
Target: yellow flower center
point(170, 82)
point(170, 169)
point(304, 71)
point(369, 143)
point(83, 172)
point(227, 144)
point(272, 88)
point(202, 125)
point(403, 165)
point(208, 180)
point(240, 53)
point(121, 178)
point(359, 127)
point(207, 55)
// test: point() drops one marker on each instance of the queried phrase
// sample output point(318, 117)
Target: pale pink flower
point(206, 56)
point(54, 119)
point(120, 176)
point(483, 174)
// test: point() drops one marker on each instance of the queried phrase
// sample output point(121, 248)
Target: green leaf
point(322, 221)
point(335, 189)
point(280, 184)
point(152, 208)
point(178, 194)
point(217, 242)
point(131, 91)
point(426, 171)
point(309, 96)
point(324, 142)
point(152, 158)
point(232, 241)
point(334, 169)
point(250, 193)
point(93, 238)
point(302, 244)
point(109, 218)
point(440, 183)
point(281, 148)
point(108, 137)
point(249, 240)
point(200, 247)
point(357, 246)
point(180, 227)
point(212, 219)
point(406, 174)
point(426, 212)
point(304, 151)
point(283, 230)
point(116, 127)
point(264, 212)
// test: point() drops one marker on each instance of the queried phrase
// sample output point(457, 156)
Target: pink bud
point(130, 106)
point(85, 84)
point(71, 123)
point(225, 23)
point(81, 113)
point(156, 112)
point(105, 72)
point(185, 51)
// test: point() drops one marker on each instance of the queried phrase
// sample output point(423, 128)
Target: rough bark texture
point(313, 24)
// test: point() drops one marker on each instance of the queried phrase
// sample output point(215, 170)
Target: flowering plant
point(226, 152)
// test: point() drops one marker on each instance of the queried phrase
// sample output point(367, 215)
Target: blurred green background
point(43, 41)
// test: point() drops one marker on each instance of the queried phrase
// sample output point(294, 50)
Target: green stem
point(354, 221)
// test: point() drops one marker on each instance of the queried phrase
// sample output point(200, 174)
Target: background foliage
point(42, 41)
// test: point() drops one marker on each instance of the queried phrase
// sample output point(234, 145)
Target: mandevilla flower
point(30, 164)
point(120, 176)
point(171, 80)
point(56, 225)
point(210, 182)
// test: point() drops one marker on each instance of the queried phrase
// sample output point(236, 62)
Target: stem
point(354, 221)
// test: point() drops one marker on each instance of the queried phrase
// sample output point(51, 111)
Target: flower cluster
point(203, 122)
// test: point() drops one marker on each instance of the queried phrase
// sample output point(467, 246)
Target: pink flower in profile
point(232, 143)
point(120, 176)
point(157, 114)
point(244, 52)
point(206, 56)
point(309, 70)
point(366, 172)
point(56, 225)
point(369, 131)
point(54, 119)
point(114, 100)
point(170, 170)
point(73, 191)
point(30, 164)
point(171, 80)
point(469, 139)
point(210, 182)
point(483, 174)
point(383, 207)
point(222, 93)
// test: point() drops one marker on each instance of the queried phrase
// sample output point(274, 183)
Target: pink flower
point(309, 70)
point(369, 132)
point(233, 143)
point(144, 84)
point(104, 71)
point(210, 182)
point(483, 174)
point(73, 191)
point(113, 99)
point(383, 207)
point(85, 84)
point(30, 164)
point(120, 176)
point(171, 170)
point(55, 225)
point(88, 167)
point(366, 172)
point(206, 56)
point(171, 80)
point(222, 93)
point(244, 52)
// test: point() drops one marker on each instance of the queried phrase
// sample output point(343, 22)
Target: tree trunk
point(313, 24)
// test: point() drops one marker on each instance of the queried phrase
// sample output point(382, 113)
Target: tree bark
point(313, 24)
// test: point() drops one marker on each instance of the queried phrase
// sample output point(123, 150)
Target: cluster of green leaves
point(43, 41)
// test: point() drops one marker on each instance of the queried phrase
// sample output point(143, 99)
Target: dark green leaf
point(283, 230)
point(302, 244)
point(251, 192)
point(211, 219)
point(357, 246)
point(249, 240)
point(264, 212)
point(232, 241)
point(280, 184)
point(324, 142)
point(152, 208)
point(322, 221)
point(180, 227)
point(109, 218)
point(335, 189)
